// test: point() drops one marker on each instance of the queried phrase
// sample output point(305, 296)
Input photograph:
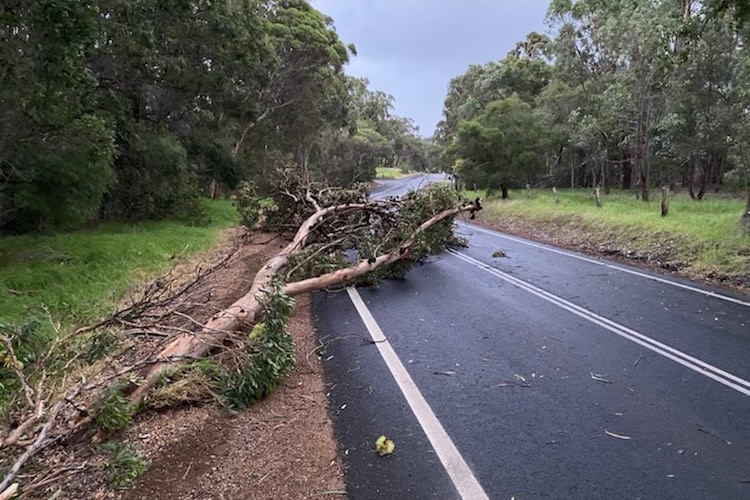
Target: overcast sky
point(412, 48)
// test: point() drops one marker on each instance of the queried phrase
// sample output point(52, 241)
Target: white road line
point(710, 371)
point(608, 265)
point(466, 484)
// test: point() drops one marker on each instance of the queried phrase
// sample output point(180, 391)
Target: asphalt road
point(549, 374)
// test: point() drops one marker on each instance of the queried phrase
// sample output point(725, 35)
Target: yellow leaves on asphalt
point(384, 446)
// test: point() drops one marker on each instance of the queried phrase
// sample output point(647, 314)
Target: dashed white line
point(460, 473)
point(738, 384)
point(665, 281)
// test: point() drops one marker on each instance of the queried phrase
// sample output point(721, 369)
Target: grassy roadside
point(701, 239)
point(388, 173)
point(80, 275)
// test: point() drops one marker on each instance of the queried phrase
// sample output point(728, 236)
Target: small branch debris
point(618, 436)
point(599, 378)
point(640, 356)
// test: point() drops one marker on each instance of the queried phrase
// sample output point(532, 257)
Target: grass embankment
point(698, 238)
point(388, 173)
point(79, 276)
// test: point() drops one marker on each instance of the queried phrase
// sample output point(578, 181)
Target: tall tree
point(55, 145)
point(502, 146)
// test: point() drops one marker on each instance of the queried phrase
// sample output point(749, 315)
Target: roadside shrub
point(154, 179)
point(58, 182)
point(111, 411)
point(248, 205)
point(125, 464)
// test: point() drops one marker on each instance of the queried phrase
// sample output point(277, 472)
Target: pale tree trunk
point(246, 311)
point(745, 219)
point(664, 201)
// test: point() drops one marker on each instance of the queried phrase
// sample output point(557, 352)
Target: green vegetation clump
point(269, 356)
point(111, 411)
point(125, 464)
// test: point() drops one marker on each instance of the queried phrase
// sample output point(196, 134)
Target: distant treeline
point(623, 93)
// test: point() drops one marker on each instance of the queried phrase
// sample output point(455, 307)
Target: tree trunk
point(664, 201)
point(745, 219)
point(243, 313)
point(246, 311)
point(699, 179)
point(504, 191)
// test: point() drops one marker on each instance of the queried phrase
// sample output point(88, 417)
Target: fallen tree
point(342, 239)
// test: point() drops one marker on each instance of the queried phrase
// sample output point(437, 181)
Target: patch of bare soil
point(281, 447)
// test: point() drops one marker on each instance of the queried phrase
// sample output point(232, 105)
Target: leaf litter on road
point(520, 381)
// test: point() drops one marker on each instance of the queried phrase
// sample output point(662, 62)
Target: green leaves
point(269, 357)
point(502, 145)
point(125, 464)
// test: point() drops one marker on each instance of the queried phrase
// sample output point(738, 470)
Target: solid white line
point(466, 484)
point(608, 265)
point(708, 370)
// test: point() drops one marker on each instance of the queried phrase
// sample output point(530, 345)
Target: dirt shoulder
point(281, 447)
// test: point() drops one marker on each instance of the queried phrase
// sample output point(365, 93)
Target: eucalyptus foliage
point(364, 231)
point(269, 356)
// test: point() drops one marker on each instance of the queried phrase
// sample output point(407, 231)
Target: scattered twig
point(55, 476)
point(712, 434)
point(187, 471)
point(599, 378)
point(618, 436)
point(640, 356)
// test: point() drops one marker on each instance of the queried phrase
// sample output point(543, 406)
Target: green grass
point(388, 173)
point(704, 235)
point(79, 276)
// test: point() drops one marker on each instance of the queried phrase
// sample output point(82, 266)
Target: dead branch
point(31, 450)
point(9, 492)
point(157, 296)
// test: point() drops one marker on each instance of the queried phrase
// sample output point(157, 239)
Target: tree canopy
point(503, 145)
point(630, 94)
point(128, 109)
